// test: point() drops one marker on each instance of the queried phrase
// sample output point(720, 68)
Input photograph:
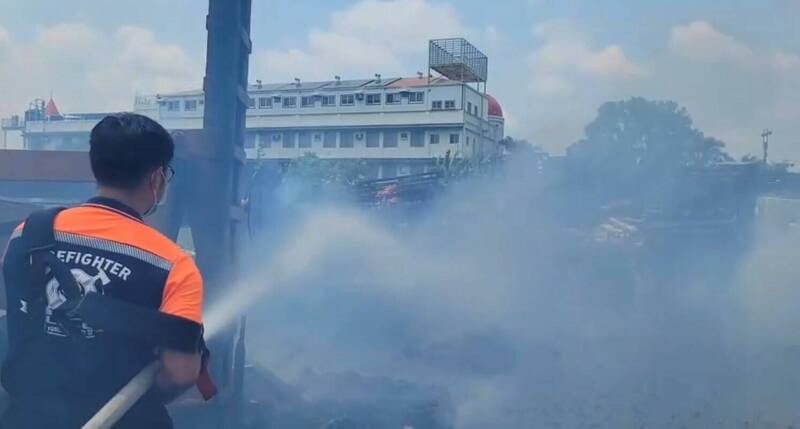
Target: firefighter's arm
point(183, 297)
point(179, 372)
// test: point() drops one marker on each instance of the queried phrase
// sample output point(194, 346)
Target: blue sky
point(734, 64)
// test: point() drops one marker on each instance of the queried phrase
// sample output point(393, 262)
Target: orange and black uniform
point(59, 379)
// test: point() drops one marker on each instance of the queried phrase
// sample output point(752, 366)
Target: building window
point(251, 103)
point(304, 140)
point(346, 139)
point(416, 97)
point(393, 98)
point(249, 140)
point(289, 102)
point(190, 105)
point(265, 103)
point(436, 105)
point(173, 106)
point(373, 139)
point(476, 110)
point(288, 139)
point(347, 100)
point(307, 101)
point(417, 138)
point(469, 108)
point(389, 139)
point(453, 138)
point(403, 170)
point(403, 136)
point(329, 139)
point(373, 99)
point(328, 100)
point(434, 139)
point(264, 140)
point(450, 104)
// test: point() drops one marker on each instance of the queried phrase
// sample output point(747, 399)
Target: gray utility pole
point(216, 231)
point(765, 142)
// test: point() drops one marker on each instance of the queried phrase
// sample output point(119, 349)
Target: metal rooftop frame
point(457, 59)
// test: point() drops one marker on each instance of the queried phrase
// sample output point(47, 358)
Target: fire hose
point(114, 409)
point(140, 384)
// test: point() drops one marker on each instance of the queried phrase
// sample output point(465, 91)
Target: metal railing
point(456, 58)
point(12, 123)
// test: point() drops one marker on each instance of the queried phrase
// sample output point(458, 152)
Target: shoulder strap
point(38, 233)
point(37, 238)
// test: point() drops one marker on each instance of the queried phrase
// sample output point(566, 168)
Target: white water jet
point(312, 241)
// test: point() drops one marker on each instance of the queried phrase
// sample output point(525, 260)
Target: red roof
point(494, 107)
point(51, 110)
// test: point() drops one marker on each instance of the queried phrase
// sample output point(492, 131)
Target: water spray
point(306, 249)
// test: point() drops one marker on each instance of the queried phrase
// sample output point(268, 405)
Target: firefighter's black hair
point(126, 147)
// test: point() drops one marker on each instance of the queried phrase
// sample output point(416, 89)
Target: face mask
point(156, 201)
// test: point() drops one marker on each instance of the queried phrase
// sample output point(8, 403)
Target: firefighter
point(95, 294)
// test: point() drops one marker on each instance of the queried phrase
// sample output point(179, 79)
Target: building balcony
point(14, 123)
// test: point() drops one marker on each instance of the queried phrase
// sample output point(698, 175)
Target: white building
point(399, 125)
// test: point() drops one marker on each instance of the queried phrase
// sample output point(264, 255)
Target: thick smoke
point(495, 309)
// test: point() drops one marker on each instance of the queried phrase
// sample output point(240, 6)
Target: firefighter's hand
point(179, 371)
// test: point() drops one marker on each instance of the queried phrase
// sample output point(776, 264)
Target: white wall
point(13, 140)
point(441, 93)
point(403, 150)
point(416, 119)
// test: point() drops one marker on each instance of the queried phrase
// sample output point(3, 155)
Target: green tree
point(314, 171)
point(522, 147)
point(523, 153)
point(637, 142)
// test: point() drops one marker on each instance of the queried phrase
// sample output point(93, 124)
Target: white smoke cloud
point(140, 62)
point(5, 45)
point(369, 37)
point(787, 62)
point(565, 50)
point(731, 89)
point(526, 321)
point(700, 41)
point(88, 70)
point(566, 78)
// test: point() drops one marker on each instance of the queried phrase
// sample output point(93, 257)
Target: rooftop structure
point(457, 59)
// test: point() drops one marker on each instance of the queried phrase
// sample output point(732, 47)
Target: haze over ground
point(493, 298)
